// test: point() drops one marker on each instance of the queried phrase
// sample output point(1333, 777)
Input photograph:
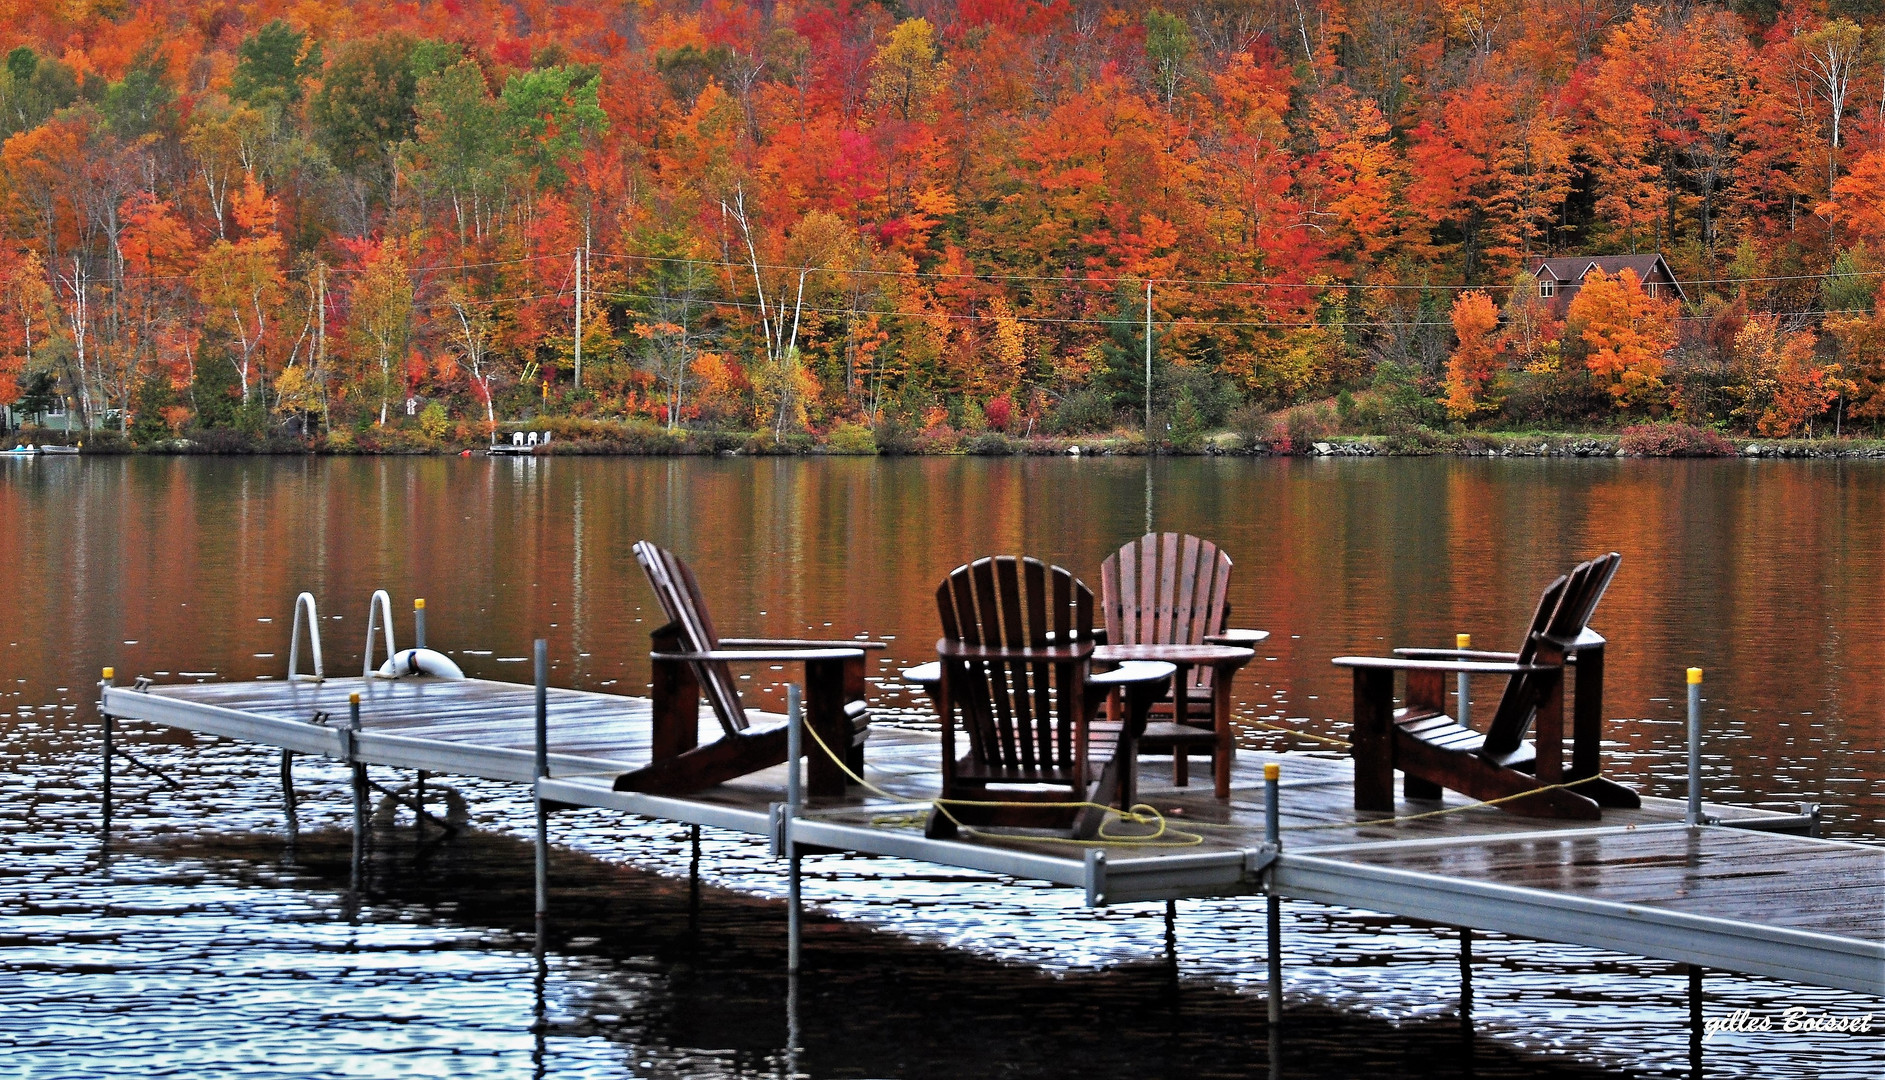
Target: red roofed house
point(1559, 279)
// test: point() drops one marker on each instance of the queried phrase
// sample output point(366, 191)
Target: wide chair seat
point(690, 660)
point(1174, 589)
point(1435, 751)
point(1014, 680)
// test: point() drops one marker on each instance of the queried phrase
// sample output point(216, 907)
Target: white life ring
point(424, 663)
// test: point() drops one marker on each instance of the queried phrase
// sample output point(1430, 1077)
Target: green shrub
point(848, 438)
point(1252, 424)
point(1187, 432)
point(1082, 412)
point(893, 436)
point(105, 442)
point(988, 444)
point(433, 421)
point(1306, 424)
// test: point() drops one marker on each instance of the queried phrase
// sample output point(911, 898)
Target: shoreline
point(634, 443)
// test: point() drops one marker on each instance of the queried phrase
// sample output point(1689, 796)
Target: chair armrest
point(1046, 654)
point(924, 675)
point(1235, 636)
point(795, 643)
point(1470, 667)
point(1132, 673)
point(1454, 654)
point(760, 655)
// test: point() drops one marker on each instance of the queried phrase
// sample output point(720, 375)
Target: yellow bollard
point(1695, 747)
point(1464, 642)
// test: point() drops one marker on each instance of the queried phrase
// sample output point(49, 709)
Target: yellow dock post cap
point(418, 603)
point(1271, 770)
point(353, 698)
point(1462, 641)
point(110, 673)
point(1695, 676)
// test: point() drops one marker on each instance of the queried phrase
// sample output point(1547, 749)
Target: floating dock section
point(1750, 892)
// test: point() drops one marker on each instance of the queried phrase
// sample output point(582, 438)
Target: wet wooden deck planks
point(1637, 881)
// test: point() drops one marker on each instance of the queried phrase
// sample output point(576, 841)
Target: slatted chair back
point(1166, 589)
point(679, 595)
point(1563, 612)
point(1018, 714)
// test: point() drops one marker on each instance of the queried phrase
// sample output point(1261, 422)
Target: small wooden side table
point(1224, 660)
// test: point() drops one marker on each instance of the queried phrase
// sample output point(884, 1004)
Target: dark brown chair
point(1016, 677)
point(1173, 589)
point(689, 657)
point(1435, 751)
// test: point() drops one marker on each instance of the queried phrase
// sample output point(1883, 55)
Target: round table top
point(1213, 655)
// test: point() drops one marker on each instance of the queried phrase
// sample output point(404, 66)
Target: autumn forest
point(843, 220)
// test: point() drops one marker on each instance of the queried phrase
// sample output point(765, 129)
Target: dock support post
point(1466, 979)
point(107, 718)
point(418, 622)
point(418, 807)
point(359, 793)
point(1464, 642)
point(1695, 747)
point(794, 747)
point(1171, 930)
point(543, 772)
point(288, 805)
point(1695, 1021)
point(1273, 834)
point(693, 867)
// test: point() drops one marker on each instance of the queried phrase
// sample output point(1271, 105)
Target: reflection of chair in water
point(1435, 751)
point(1016, 675)
point(690, 658)
point(1173, 589)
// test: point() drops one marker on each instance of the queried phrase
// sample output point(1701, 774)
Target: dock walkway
point(1746, 893)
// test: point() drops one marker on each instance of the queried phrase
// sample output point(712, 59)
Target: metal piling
point(794, 746)
point(1273, 835)
point(543, 773)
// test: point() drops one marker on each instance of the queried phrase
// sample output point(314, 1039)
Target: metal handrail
point(306, 600)
point(378, 605)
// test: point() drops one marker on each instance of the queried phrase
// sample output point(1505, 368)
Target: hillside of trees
point(787, 217)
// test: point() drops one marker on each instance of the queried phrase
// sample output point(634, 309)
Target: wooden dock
point(1747, 893)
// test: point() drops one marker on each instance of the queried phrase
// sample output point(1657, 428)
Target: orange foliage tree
point(1627, 334)
point(1475, 358)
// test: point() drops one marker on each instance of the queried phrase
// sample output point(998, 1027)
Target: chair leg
point(939, 827)
point(1181, 767)
point(1420, 788)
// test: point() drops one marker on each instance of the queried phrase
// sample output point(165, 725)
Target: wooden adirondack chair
point(1016, 676)
point(690, 657)
point(1173, 589)
point(1435, 751)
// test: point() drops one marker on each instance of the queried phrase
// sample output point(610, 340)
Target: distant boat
point(58, 449)
point(29, 450)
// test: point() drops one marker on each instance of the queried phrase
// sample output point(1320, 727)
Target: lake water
point(197, 944)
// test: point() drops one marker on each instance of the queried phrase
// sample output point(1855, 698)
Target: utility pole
point(1148, 364)
point(579, 318)
point(320, 337)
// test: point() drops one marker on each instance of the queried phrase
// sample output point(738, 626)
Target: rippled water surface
point(197, 942)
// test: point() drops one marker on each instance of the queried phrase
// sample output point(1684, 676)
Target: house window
point(1547, 287)
point(1649, 287)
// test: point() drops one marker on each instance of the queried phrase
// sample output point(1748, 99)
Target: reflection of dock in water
point(1747, 894)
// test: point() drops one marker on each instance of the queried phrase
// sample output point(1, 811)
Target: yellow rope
point(1140, 814)
point(1444, 809)
point(1330, 739)
point(1143, 813)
